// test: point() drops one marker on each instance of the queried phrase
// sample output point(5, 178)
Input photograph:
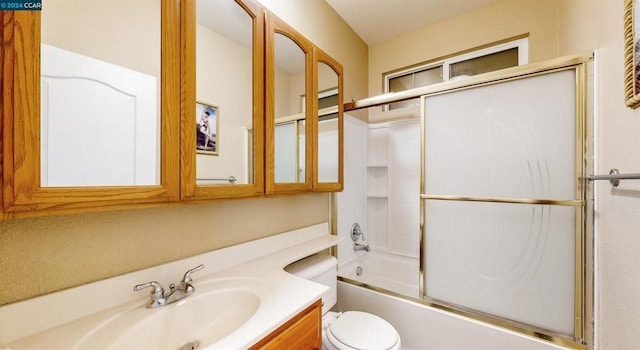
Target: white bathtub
point(395, 273)
point(421, 327)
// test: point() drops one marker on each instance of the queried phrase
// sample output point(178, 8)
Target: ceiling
point(376, 21)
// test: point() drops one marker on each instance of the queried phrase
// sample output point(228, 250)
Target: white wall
point(352, 202)
point(597, 24)
point(404, 188)
point(382, 186)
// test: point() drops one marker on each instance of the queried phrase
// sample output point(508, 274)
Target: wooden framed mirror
point(222, 142)
point(329, 130)
point(90, 106)
point(289, 114)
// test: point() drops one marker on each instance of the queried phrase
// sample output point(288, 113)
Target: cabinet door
point(222, 143)
point(289, 113)
point(90, 106)
point(329, 117)
point(302, 332)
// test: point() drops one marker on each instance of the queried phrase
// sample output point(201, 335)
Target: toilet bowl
point(349, 330)
point(357, 330)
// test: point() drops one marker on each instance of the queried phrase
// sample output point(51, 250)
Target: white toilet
point(350, 330)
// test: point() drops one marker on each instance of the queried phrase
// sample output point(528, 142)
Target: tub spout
point(360, 247)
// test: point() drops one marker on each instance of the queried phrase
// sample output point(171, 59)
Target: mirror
point(224, 93)
point(222, 137)
point(290, 110)
point(328, 128)
point(289, 124)
point(100, 93)
point(91, 115)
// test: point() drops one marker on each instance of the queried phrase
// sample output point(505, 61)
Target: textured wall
point(41, 255)
point(597, 25)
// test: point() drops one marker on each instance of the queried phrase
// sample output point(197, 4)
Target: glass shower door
point(502, 200)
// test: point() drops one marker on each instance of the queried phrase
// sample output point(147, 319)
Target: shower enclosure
point(476, 203)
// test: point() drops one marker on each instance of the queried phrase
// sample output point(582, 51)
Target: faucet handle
point(157, 288)
point(187, 275)
point(157, 294)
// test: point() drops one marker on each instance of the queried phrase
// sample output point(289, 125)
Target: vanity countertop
point(63, 319)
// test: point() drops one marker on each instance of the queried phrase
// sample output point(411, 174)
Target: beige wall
point(89, 28)
point(41, 255)
point(584, 26)
point(497, 21)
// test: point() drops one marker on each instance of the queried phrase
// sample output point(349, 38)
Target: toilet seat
point(355, 330)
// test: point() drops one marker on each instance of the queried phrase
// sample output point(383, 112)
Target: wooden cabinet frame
point(22, 194)
point(303, 331)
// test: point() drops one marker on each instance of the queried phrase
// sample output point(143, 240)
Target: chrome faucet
point(360, 247)
point(176, 292)
point(356, 233)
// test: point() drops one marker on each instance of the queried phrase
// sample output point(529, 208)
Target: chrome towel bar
point(232, 179)
point(614, 177)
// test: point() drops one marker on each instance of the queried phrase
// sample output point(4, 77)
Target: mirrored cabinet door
point(289, 113)
point(329, 113)
point(223, 109)
point(90, 105)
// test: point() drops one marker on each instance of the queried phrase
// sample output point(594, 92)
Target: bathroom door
point(86, 105)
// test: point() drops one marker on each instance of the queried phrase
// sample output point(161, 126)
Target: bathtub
point(394, 273)
point(379, 288)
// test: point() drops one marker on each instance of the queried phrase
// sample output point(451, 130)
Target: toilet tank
point(320, 268)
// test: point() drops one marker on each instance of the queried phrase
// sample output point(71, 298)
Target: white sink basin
point(216, 309)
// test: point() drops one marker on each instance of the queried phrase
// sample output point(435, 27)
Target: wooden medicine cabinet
point(89, 110)
point(186, 101)
point(303, 135)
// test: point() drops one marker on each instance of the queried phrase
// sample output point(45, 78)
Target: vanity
point(243, 299)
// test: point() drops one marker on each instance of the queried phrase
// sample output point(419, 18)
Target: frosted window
point(484, 64)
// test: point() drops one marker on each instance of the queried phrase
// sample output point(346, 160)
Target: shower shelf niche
point(377, 181)
point(377, 160)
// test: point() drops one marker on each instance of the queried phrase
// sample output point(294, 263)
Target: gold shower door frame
point(583, 298)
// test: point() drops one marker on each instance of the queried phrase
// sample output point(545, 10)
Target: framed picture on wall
point(631, 53)
point(207, 129)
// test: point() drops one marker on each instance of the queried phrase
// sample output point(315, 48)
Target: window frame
point(522, 44)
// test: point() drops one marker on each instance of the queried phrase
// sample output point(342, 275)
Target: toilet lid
point(361, 330)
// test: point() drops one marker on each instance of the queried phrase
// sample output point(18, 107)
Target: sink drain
point(190, 346)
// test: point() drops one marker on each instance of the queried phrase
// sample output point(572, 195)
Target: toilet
point(349, 330)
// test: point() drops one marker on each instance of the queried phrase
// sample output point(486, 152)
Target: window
point(509, 54)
